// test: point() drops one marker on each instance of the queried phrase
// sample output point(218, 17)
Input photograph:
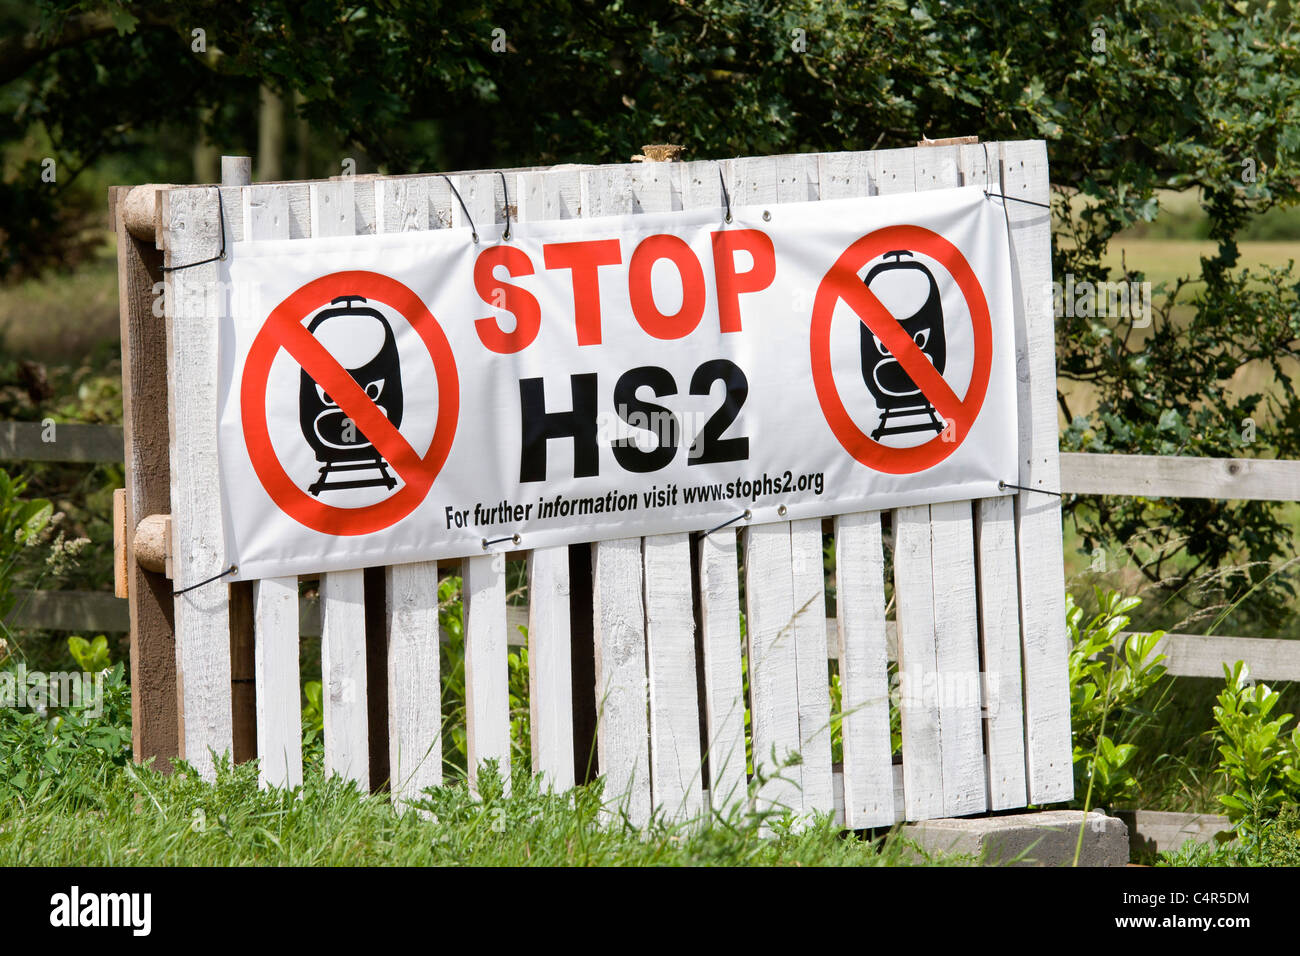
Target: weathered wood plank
point(343, 672)
point(811, 671)
point(956, 637)
point(724, 698)
point(154, 701)
point(202, 615)
point(487, 675)
point(999, 608)
point(675, 764)
point(414, 680)
point(864, 671)
point(550, 680)
point(52, 441)
point(279, 708)
point(622, 728)
point(773, 674)
point(1038, 517)
point(1156, 476)
point(917, 664)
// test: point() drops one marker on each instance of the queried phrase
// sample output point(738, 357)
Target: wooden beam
point(155, 718)
point(38, 441)
point(1158, 476)
point(1196, 655)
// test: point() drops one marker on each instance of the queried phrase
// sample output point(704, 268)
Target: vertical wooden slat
point(773, 680)
point(724, 697)
point(414, 718)
point(343, 668)
point(957, 666)
point(273, 603)
point(538, 197)
point(487, 685)
point(917, 664)
point(1038, 516)
point(344, 649)
point(550, 680)
point(622, 728)
point(675, 769)
point(864, 671)
point(279, 708)
point(154, 727)
point(812, 673)
point(414, 684)
point(202, 615)
point(995, 546)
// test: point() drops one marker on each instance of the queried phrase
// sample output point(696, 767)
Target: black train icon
point(908, 291)
point(369, 354)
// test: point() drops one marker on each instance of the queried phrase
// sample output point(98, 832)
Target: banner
point(394, 398)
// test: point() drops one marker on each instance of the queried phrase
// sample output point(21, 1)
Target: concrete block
point(1042, 838)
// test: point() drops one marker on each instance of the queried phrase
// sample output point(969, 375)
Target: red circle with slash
point(283, 329)
point(843, 282)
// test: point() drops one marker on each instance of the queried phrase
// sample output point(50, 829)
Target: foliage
point(91, 656)
point(65, 759)
point(23, 525)
point(1261, 763)
point(1109, 674)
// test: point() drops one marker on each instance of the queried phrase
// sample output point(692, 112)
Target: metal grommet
point(484, 540)
point(767, 216)
point(781, 510)
point(748, 514)
point(516, 539)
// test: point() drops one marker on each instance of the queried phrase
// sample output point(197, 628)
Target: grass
point(146, 818)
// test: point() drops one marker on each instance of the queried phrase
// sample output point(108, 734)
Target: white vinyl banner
point(394, 398)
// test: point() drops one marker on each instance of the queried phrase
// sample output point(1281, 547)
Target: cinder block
point(1043, 838)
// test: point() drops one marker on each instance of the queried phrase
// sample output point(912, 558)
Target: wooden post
point(154, 723)
point(238, 171)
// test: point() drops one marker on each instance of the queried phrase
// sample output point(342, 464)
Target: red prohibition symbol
point(283, 329)
point(842, 282)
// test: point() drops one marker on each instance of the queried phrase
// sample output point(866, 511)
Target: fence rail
point(1189, 655)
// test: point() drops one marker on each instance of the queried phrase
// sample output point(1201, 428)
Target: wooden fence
point(621, 634)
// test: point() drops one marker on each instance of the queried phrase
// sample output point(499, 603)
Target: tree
point(1131, 97)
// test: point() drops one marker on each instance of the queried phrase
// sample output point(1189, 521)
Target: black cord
point(1027, 202)
point(465, 209)
point(221, 226)
point(725, 197)
point(230, 570)
point(743, 516)
point(505, 190)
point(510, 537)
point(1041, 491)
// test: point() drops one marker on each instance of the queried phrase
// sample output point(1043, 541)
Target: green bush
point(1109, 673)
point(1261, 763)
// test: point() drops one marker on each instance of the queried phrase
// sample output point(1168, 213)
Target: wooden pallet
point(637, 642)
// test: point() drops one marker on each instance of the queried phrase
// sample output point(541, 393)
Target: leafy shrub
point(1261, 763)
point(1108, 675)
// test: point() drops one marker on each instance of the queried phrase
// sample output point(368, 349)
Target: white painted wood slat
point(343, 673)
point(410, 590)
point(550, 670)
point(1038, 516)
point(675, 765)
point(812, 675)
point(414, 679)
point(343, 643)
point(202, 615)
point(864, 671)
point(275, 601)
point(622, 729)
point(724, 699)
point(773, 669)
point(487, 675)
point(995, 544)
